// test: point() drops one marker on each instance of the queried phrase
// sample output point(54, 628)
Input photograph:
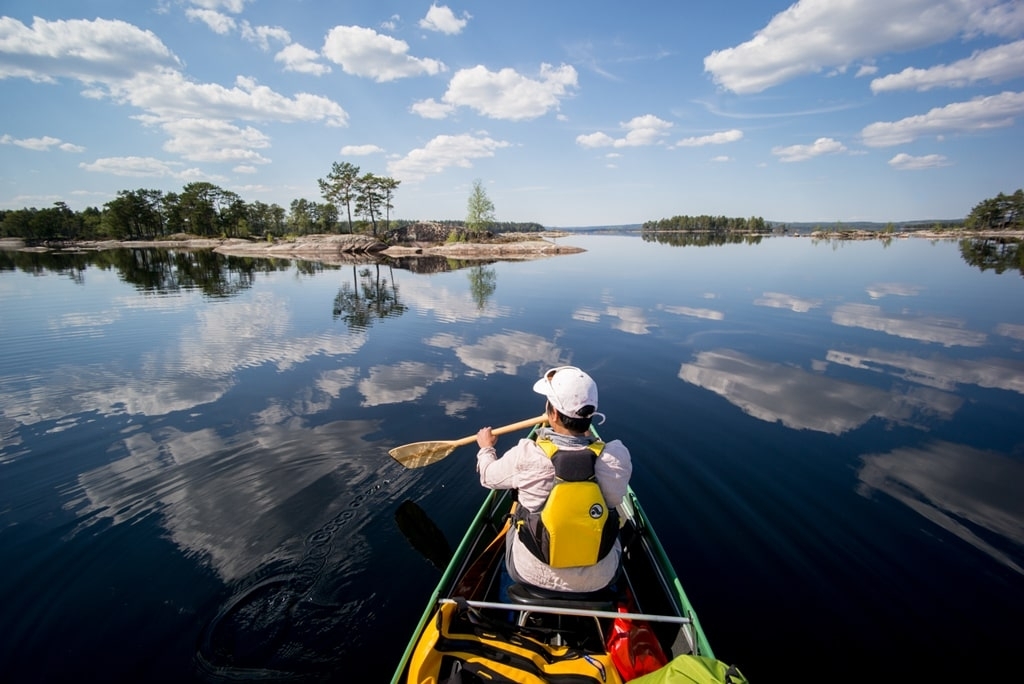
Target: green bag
point(691, 669)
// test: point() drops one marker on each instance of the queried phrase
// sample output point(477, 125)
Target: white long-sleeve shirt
point(527, 468)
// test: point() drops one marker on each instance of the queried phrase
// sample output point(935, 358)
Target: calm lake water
point(195, 482)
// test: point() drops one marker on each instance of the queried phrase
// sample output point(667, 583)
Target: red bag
point(634, 648)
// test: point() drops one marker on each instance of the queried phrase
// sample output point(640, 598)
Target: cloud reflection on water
point(945, 331)
point(879, 290)
point(800, 399)
point(971, 493)
point(628, 319)
point(936, 371)
point(778, 300)
point(219, 499)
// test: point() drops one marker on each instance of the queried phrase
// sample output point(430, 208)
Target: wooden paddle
point(420, 454)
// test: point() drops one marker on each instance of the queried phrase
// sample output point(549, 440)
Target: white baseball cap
point(569, 390)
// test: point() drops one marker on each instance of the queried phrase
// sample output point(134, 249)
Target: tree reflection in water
point(997, 254)
point(158, 271)
point(483, 281)
point(367, 298)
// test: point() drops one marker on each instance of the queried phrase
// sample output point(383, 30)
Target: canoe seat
point(529, 595)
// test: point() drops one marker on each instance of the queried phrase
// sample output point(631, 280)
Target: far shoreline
point(518, 246)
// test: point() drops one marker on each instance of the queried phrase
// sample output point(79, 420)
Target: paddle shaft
point(505, 429)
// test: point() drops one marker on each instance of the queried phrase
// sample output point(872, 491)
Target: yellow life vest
point(575, 526)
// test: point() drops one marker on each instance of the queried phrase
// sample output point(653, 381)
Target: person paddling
point(563, 538)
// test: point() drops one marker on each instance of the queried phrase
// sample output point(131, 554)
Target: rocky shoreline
point(329, 248)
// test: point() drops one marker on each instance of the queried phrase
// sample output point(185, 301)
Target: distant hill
point(623, 228)
point(792, 226)
point(898, 226)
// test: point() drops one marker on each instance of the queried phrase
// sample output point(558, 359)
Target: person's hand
point(485, 438)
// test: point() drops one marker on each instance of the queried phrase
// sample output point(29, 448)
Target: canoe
point(467, 633)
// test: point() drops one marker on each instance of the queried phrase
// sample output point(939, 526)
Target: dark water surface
point(195, 484)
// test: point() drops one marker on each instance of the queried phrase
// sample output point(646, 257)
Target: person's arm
point(613, 471)
point(495, 473)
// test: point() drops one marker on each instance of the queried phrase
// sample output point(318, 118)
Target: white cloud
point(262, 35)
point(135, 166)
point(442, 19)
point(993, 111)
point(364, 52)
point(120, 62)
point(432, 109)
point(169, 95)
point(795, 153)
point(98, 51)
point(998, 64)
point(43, 144)
point(301, 59)
point(906, 162)
point(506, 94)
point(640, 131)
point(232, 6)
point(813, 36)
point(217, 22)
point(443, 152)
point(360, 150)
point(718, 138)
point(214, 140)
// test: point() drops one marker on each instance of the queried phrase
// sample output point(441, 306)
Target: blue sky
point(570, 112)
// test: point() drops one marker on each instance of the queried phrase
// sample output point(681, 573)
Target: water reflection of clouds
point(232, 335)
point(778, 300)
point(87, 323)
point(508, 352)
point(945, 331)
point(879, 290)
point(799, 399)
point(456, 407)
point(968, 492)
point(334, 381)
point(446, 305)
point(1010, 330)
point(401, 382)
point(628, 319)
point(707, 314)
point(936, 371)
point(220, 499)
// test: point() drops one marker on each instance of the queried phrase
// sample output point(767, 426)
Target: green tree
point(369, 198)
point(480, 209)
point(134, 214)
point(302, 217)
point(387, 188)
point(339, 188)
point(1002, 212)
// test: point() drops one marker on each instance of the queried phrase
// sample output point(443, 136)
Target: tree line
point(707, 224)
point(206, 210)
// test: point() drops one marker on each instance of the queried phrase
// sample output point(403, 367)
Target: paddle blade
point(424, 535)
point(420, 454)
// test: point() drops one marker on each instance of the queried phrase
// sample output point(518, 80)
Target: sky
point(569, 112)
